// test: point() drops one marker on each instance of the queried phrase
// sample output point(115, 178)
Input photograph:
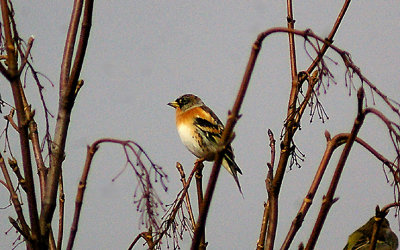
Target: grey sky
point(143, 54)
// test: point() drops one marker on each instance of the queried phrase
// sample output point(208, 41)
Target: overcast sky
point(144, 54)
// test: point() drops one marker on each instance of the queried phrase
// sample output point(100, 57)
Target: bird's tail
point(233, 169)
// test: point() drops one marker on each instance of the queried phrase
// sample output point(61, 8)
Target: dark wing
point(209, 125)
point(230, 158)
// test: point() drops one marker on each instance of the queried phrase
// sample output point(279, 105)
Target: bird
point(361, 238)
point(201, 130)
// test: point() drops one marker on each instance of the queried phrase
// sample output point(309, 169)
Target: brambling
point(200, 131)
point(361, 238)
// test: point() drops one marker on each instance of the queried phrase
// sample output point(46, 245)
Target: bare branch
point(330, 37)
point(170, 216)
point(232, 119)
point(5, 72)
point(332, 145)
point(16, 87)
point(187, 198)
point(292, 46)
point(391, 165)
point(61, 214)
point(387, 207)
point(268, 181)
point(14, 166)
point(26, 55)
point(148, 195)
point(67, 97)
point(83, 42)
point(200, 198)
point(80, 194)
point(15, 200)
point(147, 236)
point(291, 124)
point(329, 198)
point(70, 44)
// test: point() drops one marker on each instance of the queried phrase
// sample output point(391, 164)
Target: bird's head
point(186, 102)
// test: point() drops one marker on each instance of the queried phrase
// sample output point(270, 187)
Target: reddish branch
point(274, 187)
point(147, 236)
point(25, 56)
point(41, 233)
point(329, 39)
point(200, 198)
point(386, 208)
point(329, 197)
point(292, 124)
point(292, 46)
point(68, 85)
point(291, 129)
point(268, 180)
point(187, 198)
point(42, 170)
point(143, 176)
point(232, 119)
point(13, 76)
point(169, 219)
point(332, 145)
point(273, 190)
point(394, 129)
point(171, 214)
point(61, 202)
point(380, 214)
point(14, 198)
point(80, 193)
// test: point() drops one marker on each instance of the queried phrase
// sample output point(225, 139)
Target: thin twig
point(37, 152)
point(12, 63)
point(15, 168)
point(200, 225)
point(329, 197)
point(232, 119)
point(292, 47)
point(10, 119)
point(15, 200)
point(330, 37)
point(378, 220)
point(386, 208)
point(147, 236)
point(268, 180)
point(26, 55)
point(70, 44)
point(148, 197)
point(80, 193)
point(82, 45)
point(171, 215)
point(61, 203)
point(264, 225)
point(391, 165)
point(67, 97)
point(187, 198)
point(332, 144)
point(200, 198)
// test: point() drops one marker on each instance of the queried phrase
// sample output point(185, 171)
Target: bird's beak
point(173, 104)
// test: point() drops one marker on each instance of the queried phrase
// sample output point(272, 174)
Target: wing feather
point(209, 124)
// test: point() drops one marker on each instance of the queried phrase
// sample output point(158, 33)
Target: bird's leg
point(198, 162)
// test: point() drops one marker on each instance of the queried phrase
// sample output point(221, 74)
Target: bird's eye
point(182, 101)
